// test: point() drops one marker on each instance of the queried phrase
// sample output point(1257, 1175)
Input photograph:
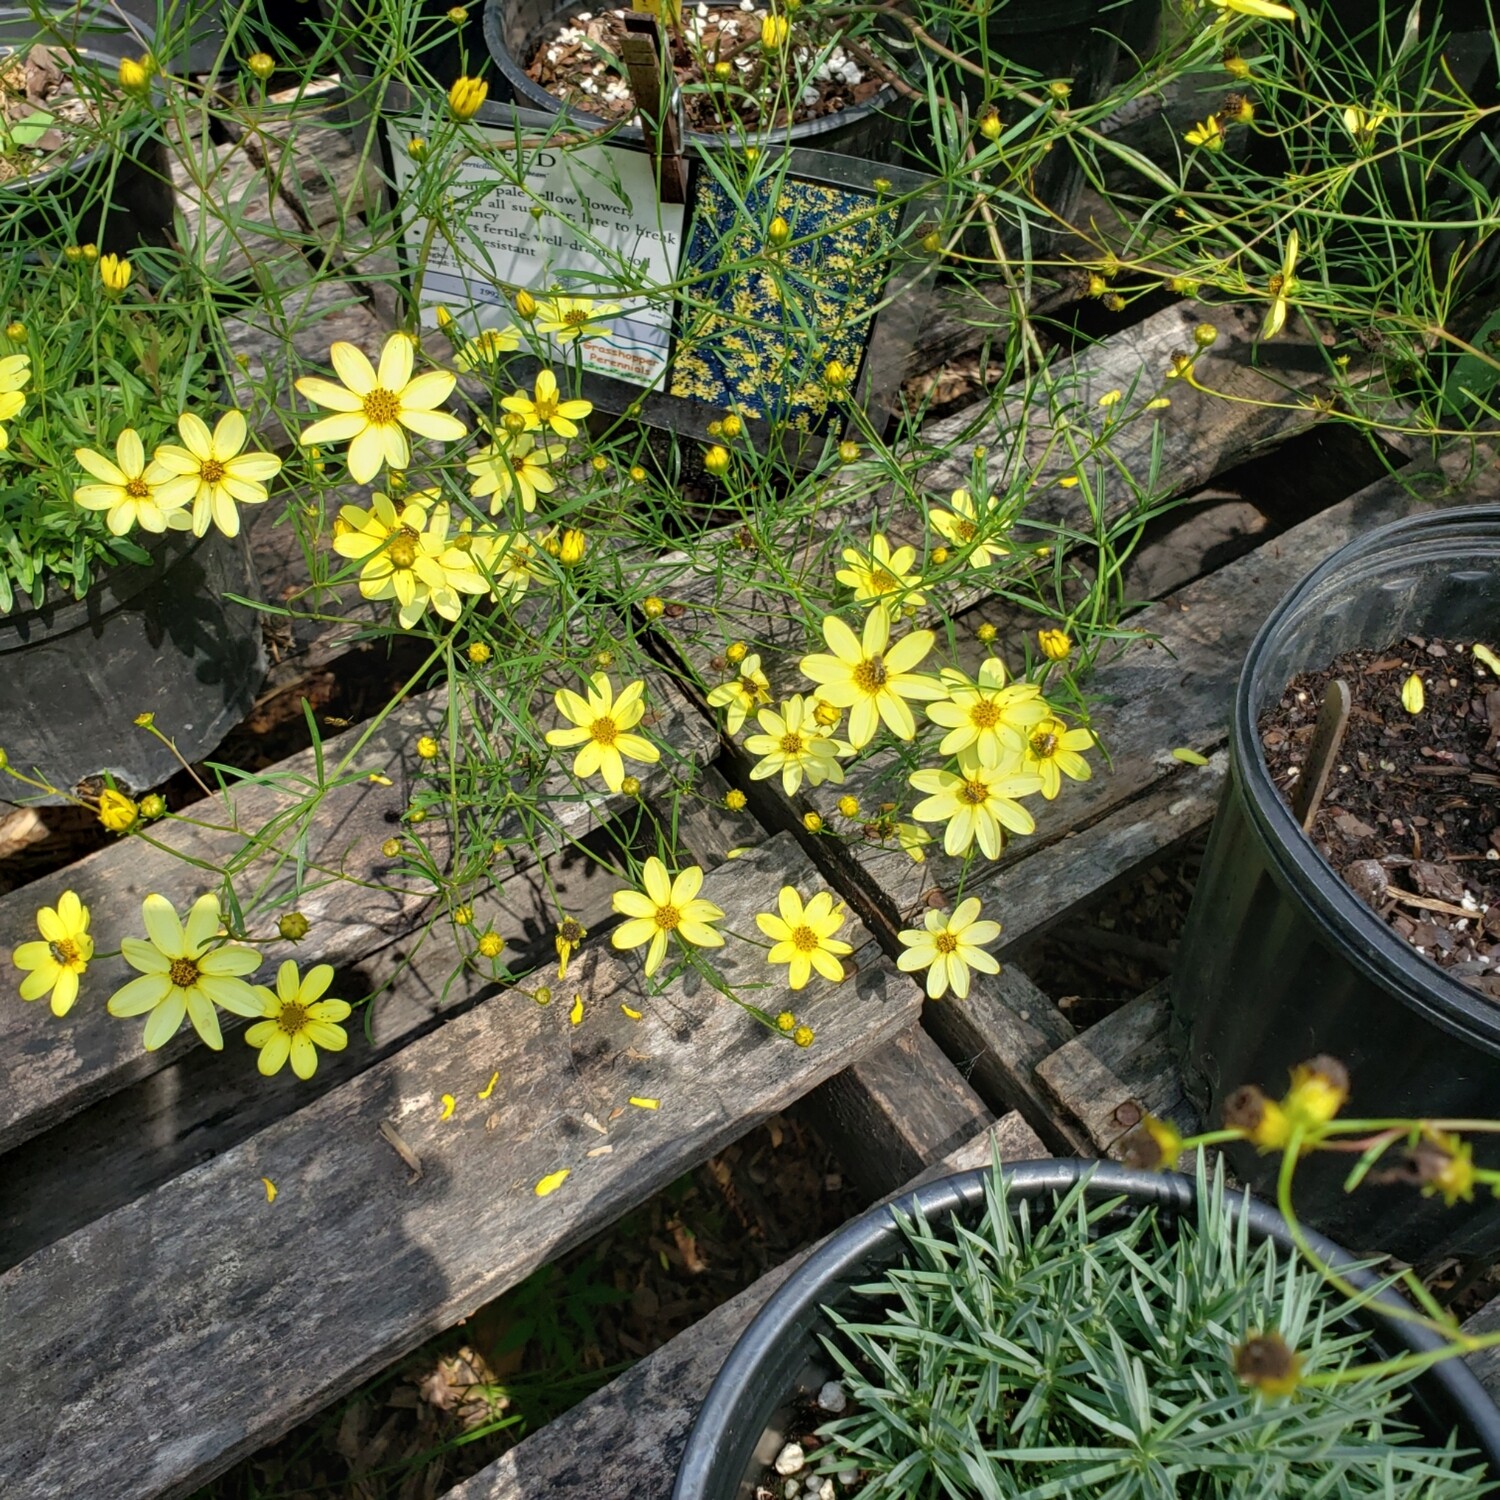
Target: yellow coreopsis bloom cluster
point(795, 744)
point(408, 556)
point(975, 530)
point(882, 575)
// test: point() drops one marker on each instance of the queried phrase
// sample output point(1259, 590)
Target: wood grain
point(229, 1318)
point(49, 1068)
point(1111, 1075)
point(895, 1112)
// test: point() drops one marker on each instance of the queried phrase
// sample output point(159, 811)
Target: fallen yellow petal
point(634, 1015)
point(381, 780)
point(1068, 481)
point(449, 1103)
point(1413, 699)
point(489, 1088)
point(576, 1014)
point(1488, 657)
point(1189, 757)
point(646, 1103)
point(270, 1189)
point(551, 1182)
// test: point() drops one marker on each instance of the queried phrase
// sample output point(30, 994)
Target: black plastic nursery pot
point(514, 28)
point(1281, 961)
point(116, 199)
point(161, 639)
point(780, 1358)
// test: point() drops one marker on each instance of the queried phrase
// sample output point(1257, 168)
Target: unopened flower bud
point(293, 926)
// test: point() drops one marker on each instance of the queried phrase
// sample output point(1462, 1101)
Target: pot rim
point(1355, 932)
point(842, 1256)
point(111, 590)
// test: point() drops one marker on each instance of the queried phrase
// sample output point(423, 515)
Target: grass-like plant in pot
point(1082, 1329)
point(120, 477)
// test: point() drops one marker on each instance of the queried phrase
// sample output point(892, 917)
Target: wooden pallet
point(160, 1317)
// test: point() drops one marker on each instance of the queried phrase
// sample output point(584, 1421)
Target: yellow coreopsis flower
point(510, 562)
point(601, 725)
point(544, 408)
point(987, 714)
point(214, 473)
point(882, 576)
point(1055, 644)
point(298, 1021)
point(662, 907)
point(408, 557)
point(976, 804)
point(742, 695)
point(132, 491)
point(15, 371)
point(803, 936)
point(372, 410)
point(513, 465)
point(54, 963)
point(792, 742)
point(774, 31)
point(872, 678)
point(184, 971)
point(485, 348)
point(465, 97)
point(948, 947)
point(1051, 752)
point(114, 271)
point(1209, 135)
point(964, 527)
point(117, 812)
point(1265, 10)
point(1282, 285)
point(569, 319)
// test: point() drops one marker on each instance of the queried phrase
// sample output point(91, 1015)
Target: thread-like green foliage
point(1088, 1351)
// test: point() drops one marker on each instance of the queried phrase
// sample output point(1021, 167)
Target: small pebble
point(848, 1478)
point(792, 1490)
point(790, 1459)
point(832, 1397)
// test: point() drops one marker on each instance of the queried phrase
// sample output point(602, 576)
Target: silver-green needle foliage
point(1088, 1351)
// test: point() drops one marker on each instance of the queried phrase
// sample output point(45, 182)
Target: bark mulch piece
point(1411, 816)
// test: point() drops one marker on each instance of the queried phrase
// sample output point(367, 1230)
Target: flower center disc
point(546, 407)
point(984, 714)
point(291, 1018)
point(211, 471)
point(975, 793)
point(137, 488)
point(791, 744)
point(1043, 745)
point(870, 675)
point(403, 548)
point(382, 407)
point(804, 939)
point(945, 942)
point(668, 918)
point(64, 952)
point(966, 530)
point(604, 732)
point(576, 317)
point(183, 973)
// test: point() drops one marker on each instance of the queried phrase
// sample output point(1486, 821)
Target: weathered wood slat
point(1486, 1363)
point(1110, 1075)
point(996, 1038)
point(152, 1348)
point(896, 1111)
point(50, 1068)
point(627, 1439)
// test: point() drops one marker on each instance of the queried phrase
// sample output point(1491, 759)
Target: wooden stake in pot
point(1327, 740)
point(642, 50)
